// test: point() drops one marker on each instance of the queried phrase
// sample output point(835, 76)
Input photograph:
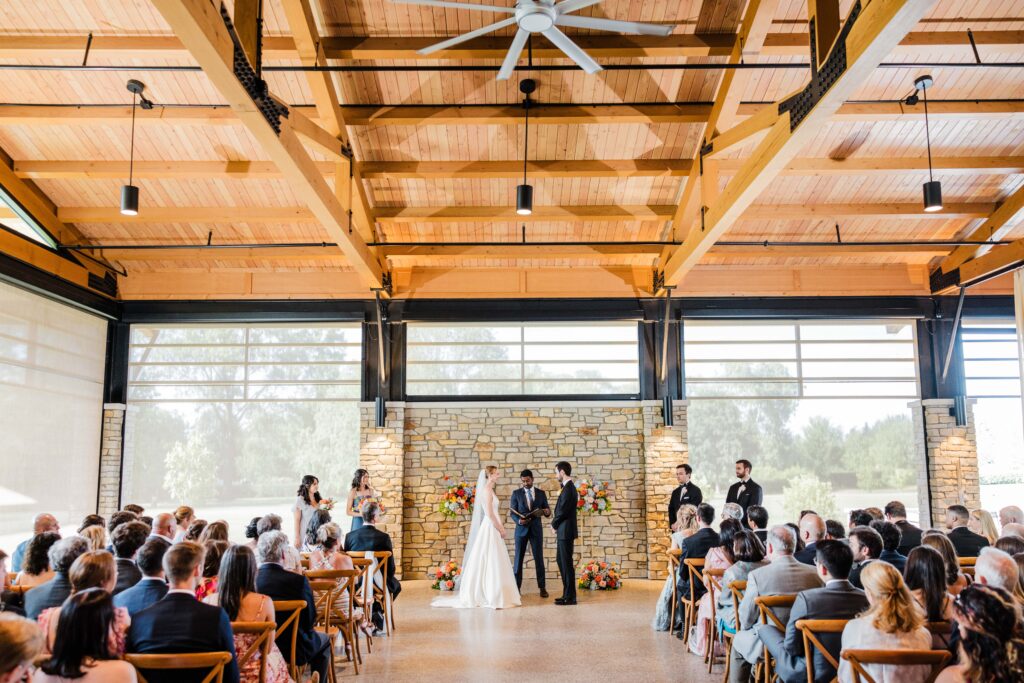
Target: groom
point(564, 524)
point(528, 504)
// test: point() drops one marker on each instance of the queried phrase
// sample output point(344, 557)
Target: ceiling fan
point(543, 17)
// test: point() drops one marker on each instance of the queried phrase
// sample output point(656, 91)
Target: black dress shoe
point(559, 601)
point(565, 602)
point(543, 593)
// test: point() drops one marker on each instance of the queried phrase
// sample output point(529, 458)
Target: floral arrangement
point(444, 577)
point(593, 498)
point(359, 502)
point(327, 504)
point(458, 498)
point(600, 576)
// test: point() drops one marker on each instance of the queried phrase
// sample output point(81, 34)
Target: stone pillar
point(111, 449)
point(664, 449)
point(382, 453)
point(947, 459)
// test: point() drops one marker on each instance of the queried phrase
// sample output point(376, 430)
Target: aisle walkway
point(606, 637)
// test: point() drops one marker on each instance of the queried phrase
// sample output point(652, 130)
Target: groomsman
point(529, 529)
point(746, 491)
point(687, 493)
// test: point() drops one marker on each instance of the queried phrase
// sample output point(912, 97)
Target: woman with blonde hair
point(685, 526)
point(894, 621)
point(21, 640)
point(96, 535)
point(981, 522)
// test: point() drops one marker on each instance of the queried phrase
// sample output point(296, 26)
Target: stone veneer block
point(111, 440)
point(947, 457)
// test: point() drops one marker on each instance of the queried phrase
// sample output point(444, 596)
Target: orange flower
point(449, 584)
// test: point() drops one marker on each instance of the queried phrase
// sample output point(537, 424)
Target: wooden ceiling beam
point(202, 31)
point(479, 214)
point(357, 48)
point(865, 42)
point(997, 224)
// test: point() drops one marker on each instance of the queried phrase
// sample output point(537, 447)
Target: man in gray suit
point(837, 600)
point(784, 576)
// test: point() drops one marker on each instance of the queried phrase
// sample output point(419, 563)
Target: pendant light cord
point(131, 148)
point(927, 134)
point(526, 137)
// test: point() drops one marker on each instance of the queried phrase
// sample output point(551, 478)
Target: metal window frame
point(990, 327)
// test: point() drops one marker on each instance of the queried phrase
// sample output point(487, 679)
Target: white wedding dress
point(487, 579)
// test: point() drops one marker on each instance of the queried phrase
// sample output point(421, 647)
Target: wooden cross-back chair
point(858, 658)
point(290, 628)
point(809, 629)
point(694, 568)
point(338, 617)
point(737, 588)
point(713, 582)
point(363, 565)
point(323, 595)
point(942, 633)
point(214, 661)
point(264, 632)
point(766, 604)
point(673, 566)
point(380, 594)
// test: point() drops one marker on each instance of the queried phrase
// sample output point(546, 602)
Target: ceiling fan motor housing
point(535, 18)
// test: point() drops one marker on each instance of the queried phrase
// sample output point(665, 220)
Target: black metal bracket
point(657, 280)
point(939, 281)
point(385, 280)
point(272, 110)
point(823, 78)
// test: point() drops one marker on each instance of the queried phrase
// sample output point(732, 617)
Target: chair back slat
point(766, 604)
point(858, 658)
point(264, 632)
point(810, 628)
point(291, 623)
point(737, 588)
point(695, 567)
point(967, 561)
point(214, 661)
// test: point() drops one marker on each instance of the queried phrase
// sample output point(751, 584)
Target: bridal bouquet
point(457, 499)
point(327, 504)
point(593, 498)
point(444, 577)
point(600, 576)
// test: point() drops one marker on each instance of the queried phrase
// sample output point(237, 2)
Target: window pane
point(903, 331)
point(696, 331)
point(739, 369)
point(756, 351)
point(462, 352)
point(860, 370)
point(417, 333)
point(858, 350)
point(451, 371)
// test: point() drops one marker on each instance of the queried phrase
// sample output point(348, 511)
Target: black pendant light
point(129, 192)
point(524, 192)
point(932, 188)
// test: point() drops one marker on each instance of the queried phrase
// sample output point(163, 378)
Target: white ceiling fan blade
point(445, 44)
point(572, 50)
point(573, 5)
point(456, 5)
point(512, 58)
point(632, 27)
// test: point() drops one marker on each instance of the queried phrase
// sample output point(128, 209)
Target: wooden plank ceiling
point(438, 154)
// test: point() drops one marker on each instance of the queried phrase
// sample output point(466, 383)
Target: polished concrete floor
point(606, 637)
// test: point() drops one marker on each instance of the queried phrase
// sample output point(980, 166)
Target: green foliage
point(189, 471)
point(807, 492)
point(882, 454)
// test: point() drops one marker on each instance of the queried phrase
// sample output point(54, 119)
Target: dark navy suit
point(532, 533)
point(566, 533)
point(53, 593)
point(141, 595)
point(128, 574)
point(310, 646)
point(179, 623)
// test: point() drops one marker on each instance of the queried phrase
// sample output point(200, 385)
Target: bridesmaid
point(360, 492)
point(306, 503)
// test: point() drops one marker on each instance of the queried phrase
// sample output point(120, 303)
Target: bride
point(487, 579)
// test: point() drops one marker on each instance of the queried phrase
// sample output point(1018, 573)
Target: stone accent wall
point(111, 440)
point(381, 452)
point(664, 449)
point(948, 473)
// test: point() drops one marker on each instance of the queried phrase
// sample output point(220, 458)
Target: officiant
point(687, 493)
point(528, 505)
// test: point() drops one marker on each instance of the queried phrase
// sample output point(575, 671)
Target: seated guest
point(62, 555)
point(164, 527)
point(370, 538)
point(35, 568)
point(213, 551)
point(839, 599)
point(127, 540)
point(925, 576)
point(152, 586)
point(1014, 529)
point(719, 557)
point(876, 514)
point(749, 553)
point(252, 533)
point(1011, 514)
point(215, 531)
point(293, 560)
point(685, 526)
point(133, 508)
point(799, 541)
point(93, 570)
point(92, 520)
point(834, 530)
point(812, 530)
point(81, 649)
point(1011, 545)
point(21, 641)
point(891, 539)
point(179, 623)
point(183, 517)
point(9, 600)
point(996, 568)
point(991, 645)
point(732, 511)
point(236, 594)
point(696, 546)
point(119, 518)
point(96, 536)
point(966, 542)
point(757, 519)
point(276, 582)
point(195, 530)
point(43, 523)
point(956, 580)
point(866, 544)
point(981, 523)
point(859, 517)
point(893, 621)
point(328, 553)
point(317, 519)
point(910, 535)
point(783, 576)
point(270, 522)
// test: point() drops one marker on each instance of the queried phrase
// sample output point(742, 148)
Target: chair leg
point(672, 611)
point(709, 644)
point(728, 659)
point(690, 616)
